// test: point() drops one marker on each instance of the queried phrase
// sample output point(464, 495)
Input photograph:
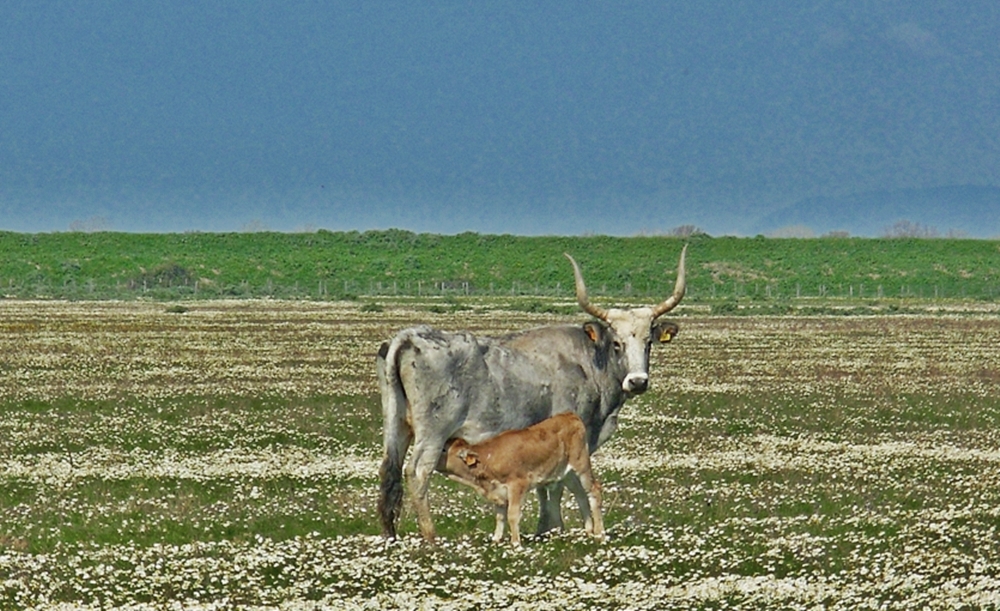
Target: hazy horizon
point(516, 118)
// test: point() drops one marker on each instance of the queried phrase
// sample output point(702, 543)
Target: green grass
point(321, 265)
point(775, 463)
point(186, 505)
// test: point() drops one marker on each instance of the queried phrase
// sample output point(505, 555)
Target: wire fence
point(712, 291)
point(352, 288)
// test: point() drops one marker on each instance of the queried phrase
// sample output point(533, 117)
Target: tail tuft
point(390, 499)
point(396, 438)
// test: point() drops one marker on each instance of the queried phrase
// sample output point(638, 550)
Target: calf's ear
point(664, 331)
point(469, 457)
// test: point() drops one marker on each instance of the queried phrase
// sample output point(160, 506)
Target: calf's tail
point(396, 437)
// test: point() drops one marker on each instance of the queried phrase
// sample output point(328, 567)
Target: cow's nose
point(636, 383)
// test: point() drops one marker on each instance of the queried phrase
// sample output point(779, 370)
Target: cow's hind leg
point(419, 470)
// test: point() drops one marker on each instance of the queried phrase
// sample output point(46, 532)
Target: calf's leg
point(501, 511)
point(595, 507)
point(593, 520)
point(515, 498)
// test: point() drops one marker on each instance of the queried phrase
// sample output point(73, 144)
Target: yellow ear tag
point(665, 337)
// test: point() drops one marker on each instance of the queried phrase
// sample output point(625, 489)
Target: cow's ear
point(593, 331)
point(665, 331)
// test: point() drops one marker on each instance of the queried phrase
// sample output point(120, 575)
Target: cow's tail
point(396, 436)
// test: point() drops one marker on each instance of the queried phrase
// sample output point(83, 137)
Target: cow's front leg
point(549, 514)
point(576, 486)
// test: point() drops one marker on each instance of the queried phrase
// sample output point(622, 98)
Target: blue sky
point(530, 118)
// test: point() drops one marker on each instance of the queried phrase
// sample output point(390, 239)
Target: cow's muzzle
point(635, 383)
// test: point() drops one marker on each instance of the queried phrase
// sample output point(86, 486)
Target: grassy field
point(326, 265)
point(226, 456)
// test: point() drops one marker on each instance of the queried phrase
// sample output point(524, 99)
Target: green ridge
point(394, 262)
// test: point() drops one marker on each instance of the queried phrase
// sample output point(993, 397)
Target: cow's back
point(475, 387)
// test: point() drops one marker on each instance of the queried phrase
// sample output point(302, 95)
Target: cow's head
point(634, 330)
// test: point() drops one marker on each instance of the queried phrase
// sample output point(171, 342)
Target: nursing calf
point(506, 467)
point(438, 385)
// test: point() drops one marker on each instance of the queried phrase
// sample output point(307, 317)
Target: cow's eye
point(618, 347)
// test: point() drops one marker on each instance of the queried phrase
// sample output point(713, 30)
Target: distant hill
point(970, 210)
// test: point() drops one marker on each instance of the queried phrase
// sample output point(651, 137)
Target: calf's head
point(633, 330)
point(458, 458)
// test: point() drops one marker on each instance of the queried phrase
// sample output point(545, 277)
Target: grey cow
point(437, 385)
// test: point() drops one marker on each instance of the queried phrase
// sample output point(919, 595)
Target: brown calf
point(506, 467)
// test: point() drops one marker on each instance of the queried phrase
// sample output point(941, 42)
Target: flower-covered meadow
point(226, 457)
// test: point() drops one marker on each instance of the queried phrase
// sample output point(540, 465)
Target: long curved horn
point(581, 293)
point(679, 289)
